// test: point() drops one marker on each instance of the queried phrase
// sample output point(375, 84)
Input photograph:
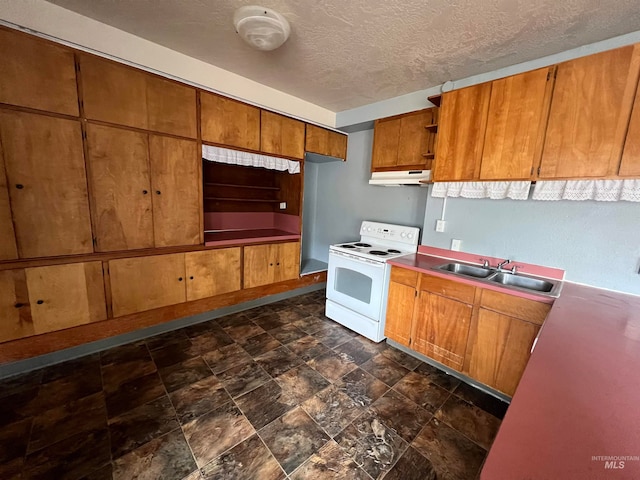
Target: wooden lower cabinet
point(271, 263)
point(15, 311)
point(212, 272)
point(400, 306)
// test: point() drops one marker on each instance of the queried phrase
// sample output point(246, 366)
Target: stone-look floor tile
point(263, 343)
point(385, 369)
point(332, 410)
point(310, 324)
point(242, 332)
point(117, 374)
point(198, 329)
point(475, 423)
point(199, 398)
point(332, 365)
point(19, 406)
point(440, 378)
point(486, 402)
point(401, 358)
point(13, 440)
point(173, 353)
point(72, 367)
point(314, 308)
point(330, 463)
point(215, 432)
point(74, 457)
point(308, 348)
point(412, 466)
point(357, 353)
point(226, 357)
point(20, 383)
point(374, 447)
point(269, 321)
point(293, 438)
point(333, 337)
point(12, 470)
point(362, 387)
point(376, 347)
point(185, 373)
point(141, 425)
point(166, 339)
point(287, 333)
point(249, 459)
point(264, 404)
point(213, 339)
point(167, 456)
point(134, 393)
point(102, 473)
point(87, 414)
point(278, 361)
point(124, 354)
point(301, 383)
point(239, 318)
point(243, 378)
point(401, 414)
point(291, 314)
point(426, 394)
point(453, 456)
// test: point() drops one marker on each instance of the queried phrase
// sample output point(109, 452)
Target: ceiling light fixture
point(261, 27)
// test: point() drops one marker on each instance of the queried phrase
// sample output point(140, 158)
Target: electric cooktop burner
point(363, 245)
point(347, 246)
point(378, 252)
point(393, 250)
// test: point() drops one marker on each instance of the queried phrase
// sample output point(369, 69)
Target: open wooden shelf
point(435, 99)
point(227, 199)
point(233, 185)
point(433, 126)
point(429, 155)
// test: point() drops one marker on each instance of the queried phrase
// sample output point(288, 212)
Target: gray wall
point(309, 207)
point(597, 243)
point(344, 199)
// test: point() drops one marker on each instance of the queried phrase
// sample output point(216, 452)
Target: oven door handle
point(355, 258)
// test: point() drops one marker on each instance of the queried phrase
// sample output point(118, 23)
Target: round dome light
point(261, 27)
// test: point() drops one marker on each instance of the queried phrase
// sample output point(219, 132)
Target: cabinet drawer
point(522, 308)
point(404, 276)
point(448, 288)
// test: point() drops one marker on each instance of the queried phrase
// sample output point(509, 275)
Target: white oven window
point(353, 284)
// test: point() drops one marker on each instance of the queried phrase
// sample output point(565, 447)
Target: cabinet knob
point(278, 263)
point(144, 192)
point(179, 279)
point(19, 186)
point(19, 305)
point(271, 264)
point(158, 192)
point(40, 302)
point(190, 278)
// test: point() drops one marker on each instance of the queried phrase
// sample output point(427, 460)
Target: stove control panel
point(387, 231)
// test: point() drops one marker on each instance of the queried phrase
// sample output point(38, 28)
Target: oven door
point(356, 283)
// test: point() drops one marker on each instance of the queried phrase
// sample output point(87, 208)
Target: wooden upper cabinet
point(212, 272)
point(461, 130)
point(171, 107)
point(46, 175)
point(175, 189)
point(8, 248)
point(325, 142)
point(386, 140)
point(37, 74)
point(589, 115)
point(281, 135)
point(516, 122)
point(271, 263)
point(63, 296)
point(120, 185)
point(229, 122)
point(630, 163)
point(415, 138)
point(15, 312)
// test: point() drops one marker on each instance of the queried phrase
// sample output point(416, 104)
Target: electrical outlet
point(456, 244)
point(283, 205)
point(440, 225)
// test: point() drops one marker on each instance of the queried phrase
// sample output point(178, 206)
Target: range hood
point(395, 179)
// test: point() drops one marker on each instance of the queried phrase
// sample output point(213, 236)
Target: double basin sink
point(550, 288)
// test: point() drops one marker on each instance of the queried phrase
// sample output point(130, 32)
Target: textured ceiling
point(344, 54)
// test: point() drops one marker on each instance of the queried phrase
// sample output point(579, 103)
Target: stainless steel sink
point(468, 270)
point(528, 283)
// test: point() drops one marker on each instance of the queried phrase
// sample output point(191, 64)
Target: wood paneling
point(212, 272)
point(500, 349)
point(64, 296)
point(386, 140)
point(400, 305)
point(229, 122)
point(630, 163)
point(171, 107)
point(404, 276)
point(15, 311)
point(529, 310)
point(325, 142)
point(175, 176)
point(461, 130)
point(589, 114)
point(515, 126)
point(119, 178)
point(290, 192)
point(48, 188)
point(113, 92)
point(143, 283)
point(8, 248)
point(272, 263)
point(414, 138)
point(37, 74)
point(448, 288)
point(281, 135)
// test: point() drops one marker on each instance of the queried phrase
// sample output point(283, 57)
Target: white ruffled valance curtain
point(493, 190)
point(598, 190)
point(246, 159)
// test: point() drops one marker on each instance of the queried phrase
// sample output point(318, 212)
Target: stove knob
point(403, 234)
point(409, 236)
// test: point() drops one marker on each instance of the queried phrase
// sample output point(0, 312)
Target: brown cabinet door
point(287, 261)
point(325, 142)
point(15, 312)
point(400, 305)
point(171, 107)
point(63, 296)
point(461, 130)
point(118, 167)
point(143, 283)
point(515, 126)
point(630, 163)
point(338, 145)
point(589, 115)
point(47, 184)
point(8, 248)
point(229, 122)
point(212, 272)
point(414, 138)
point(113, 93)
point(441, 329)
point(499, 349)
point(259, 265)
point(175, 189)
point(37, 74)
point(281, 135)
point(386, 141)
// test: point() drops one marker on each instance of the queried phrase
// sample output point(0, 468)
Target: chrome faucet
point(502, 264)
point(485, 263)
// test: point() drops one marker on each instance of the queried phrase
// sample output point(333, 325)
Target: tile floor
point(276, 392)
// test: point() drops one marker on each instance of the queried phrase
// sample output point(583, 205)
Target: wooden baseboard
point(29, 347)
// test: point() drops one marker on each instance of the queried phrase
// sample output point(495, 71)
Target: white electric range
point(358, 276)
